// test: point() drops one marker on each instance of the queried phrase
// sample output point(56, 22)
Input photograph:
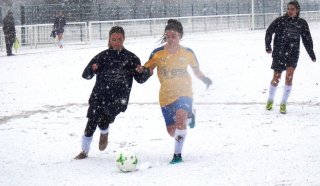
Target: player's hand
point(269, 51)
point(314, 60)
point(141, 69)
point(94, 67)
point(206, 81)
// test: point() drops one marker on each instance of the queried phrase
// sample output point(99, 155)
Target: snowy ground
point(235, 141)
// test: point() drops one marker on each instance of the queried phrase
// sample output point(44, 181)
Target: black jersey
point(286, 43)
point(114, 78)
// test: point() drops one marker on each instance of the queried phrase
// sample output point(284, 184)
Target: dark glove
point(268, 49)
point(206, 81)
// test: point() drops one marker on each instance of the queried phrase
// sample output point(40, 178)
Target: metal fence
point(155, 26)
point(193, 24)
point(37, 35)
point(41, 14)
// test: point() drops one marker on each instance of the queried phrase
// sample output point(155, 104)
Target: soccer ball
point(126, 160)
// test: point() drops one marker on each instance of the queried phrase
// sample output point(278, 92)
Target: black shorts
point(59, 31)
point(280, 65)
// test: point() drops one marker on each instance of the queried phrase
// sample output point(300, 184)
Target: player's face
point(116, 40)
point(292, 11)
point(172, 37)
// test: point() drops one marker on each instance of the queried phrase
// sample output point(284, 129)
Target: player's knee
point(275, 82)
point(171, 131)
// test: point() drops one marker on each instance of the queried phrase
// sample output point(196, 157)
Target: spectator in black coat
point(9, 32)
point(115, 69)
point(59, 23)
point(286, 47)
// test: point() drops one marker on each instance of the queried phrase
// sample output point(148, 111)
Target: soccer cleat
point(103, 142)
point(269, 105)
point(283, 108)
point(176, 159)
point(81, 156)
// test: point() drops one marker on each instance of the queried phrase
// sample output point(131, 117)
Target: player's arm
point(307, 40)
point(149, 66)
point(200, 75)
point(141, 73)
point(92, 68)
point(269, 32)
point(196, 70)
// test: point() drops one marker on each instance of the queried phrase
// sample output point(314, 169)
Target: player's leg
point(272, 89)
point(176, 115)
point(171, 129)
point(180, 135)
point(168, 113)
point(60, 38)
point(104, 130)
point(287, 89)
point(278, 66)
point(87, 138)
point(183, 109)
point(9, 43)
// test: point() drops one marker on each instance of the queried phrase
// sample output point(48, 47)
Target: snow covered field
point(235, 141)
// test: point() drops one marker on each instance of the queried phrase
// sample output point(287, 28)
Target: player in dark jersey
point(286, 47)
point(115, 69)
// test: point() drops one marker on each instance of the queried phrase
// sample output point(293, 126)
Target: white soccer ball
point(126, 160)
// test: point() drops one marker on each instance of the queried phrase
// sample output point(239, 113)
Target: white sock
point(272, 92)
point(179, 138)
point(286, 93)
point(60, 42)
point(104, 131)
point(85, 143)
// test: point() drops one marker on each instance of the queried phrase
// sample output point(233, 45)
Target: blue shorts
point(169, 111)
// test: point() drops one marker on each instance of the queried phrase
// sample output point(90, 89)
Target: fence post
point(1, 13)
point(228, 16)
point(281, 7)
point(100, 30)
point(252, 12)
point(81, 8)
point(99, 11)
point(23, 22)
point(192, 9)
point(118, 14)
point(165, 10)
point(264, 14)
point(216, 8)
point(134, 11)
point(1, 42)
point(89, 32)
point(150, 23)
point(150, 12)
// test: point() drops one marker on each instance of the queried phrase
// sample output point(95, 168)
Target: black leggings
point(102, 122)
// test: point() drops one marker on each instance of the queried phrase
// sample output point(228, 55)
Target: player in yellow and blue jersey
point(175, 97)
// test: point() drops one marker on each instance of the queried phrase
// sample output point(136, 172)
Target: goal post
point(39, 34)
